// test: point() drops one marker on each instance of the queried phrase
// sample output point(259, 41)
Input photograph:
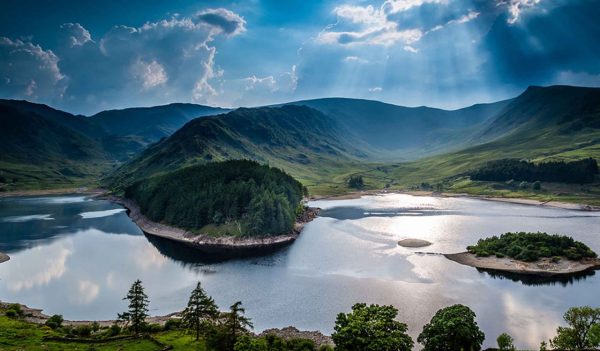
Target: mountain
point(302, 140)
point(406, 132)
point(150, 124)
point(541, 124)
point(44, 147)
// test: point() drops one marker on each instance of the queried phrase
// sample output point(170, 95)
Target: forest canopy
point(532, 246)
point(261, 200)
point(579, 172)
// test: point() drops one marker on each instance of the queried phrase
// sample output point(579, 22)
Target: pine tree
point(138, 307)
point(200, 308)
point(236, 322)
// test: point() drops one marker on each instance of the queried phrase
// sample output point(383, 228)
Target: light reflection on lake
point(81, 263)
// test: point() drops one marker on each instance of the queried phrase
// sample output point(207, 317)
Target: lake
point(77, 256)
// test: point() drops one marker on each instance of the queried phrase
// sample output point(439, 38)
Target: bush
point(83, 330)
point(523, 185)
point(153, 328)
point(11, 314)
point(537, 185)
point(172, 324)
point(55, 321)
point(505, 342)
point(325, 348)
point(114, 330)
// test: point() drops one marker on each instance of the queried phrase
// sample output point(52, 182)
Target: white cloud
point(395, 6)
point(376, 89)
point(77, 35)
point(355, 59)
point(254, 82)
point(515, 7)
point(468, 17)
point(151, 74)
point(29, 70)
point(87, 291)
point(411, 49)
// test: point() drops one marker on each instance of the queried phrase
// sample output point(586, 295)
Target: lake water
point(77, 256)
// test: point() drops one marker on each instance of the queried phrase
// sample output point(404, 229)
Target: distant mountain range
point(319, 141)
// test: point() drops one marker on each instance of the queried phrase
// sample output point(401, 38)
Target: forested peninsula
point(236, 204)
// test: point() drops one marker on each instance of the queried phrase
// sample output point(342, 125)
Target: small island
point(4, 257)
point(231, 207)
point(539, 254)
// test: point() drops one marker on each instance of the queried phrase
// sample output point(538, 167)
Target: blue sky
point(86, 56)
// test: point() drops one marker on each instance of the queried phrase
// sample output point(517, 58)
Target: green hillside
point(407, 133)
point(301, 140)
point(150, 124)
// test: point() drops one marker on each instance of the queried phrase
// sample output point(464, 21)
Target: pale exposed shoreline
point(210, 244)
point(61, 191)
point(4, 257)
point(542, 267)
point(515, 200)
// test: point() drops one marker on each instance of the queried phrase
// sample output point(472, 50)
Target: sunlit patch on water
point(99, 214)
point(18, 219)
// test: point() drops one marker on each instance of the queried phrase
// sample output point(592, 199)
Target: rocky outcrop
point(4, 257)
point(292, 333)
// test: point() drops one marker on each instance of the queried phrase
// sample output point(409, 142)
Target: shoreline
point(35, 315)
point(4, 257)
point(61, 191)
point(513, 200)
point(543, 267)
point(210, 244)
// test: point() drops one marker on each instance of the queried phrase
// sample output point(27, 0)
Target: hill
point(252, 199)
point(301, 140)
point(150, 124)
point(407, 132)
point(43, 147)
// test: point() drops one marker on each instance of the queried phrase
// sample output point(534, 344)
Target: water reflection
point(533, 280)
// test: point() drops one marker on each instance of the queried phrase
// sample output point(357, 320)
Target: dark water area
point(78, 256)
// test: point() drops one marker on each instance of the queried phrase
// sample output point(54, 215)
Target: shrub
point(172, 324)
point(325, 348)
point(83, 330)
point(11, 314)
point(153, 328)
point(537, 185)
point(55, 321)
point(114, 330)
point(505, 342)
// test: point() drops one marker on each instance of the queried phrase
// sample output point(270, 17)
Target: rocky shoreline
point(211, 244)
point(543, 267)
point(34, 315)
point(4, 257)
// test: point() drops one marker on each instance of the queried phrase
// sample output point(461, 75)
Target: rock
point(291, 333)
point(413, 243)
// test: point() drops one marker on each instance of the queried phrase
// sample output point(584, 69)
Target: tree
point(452, 328)
point(200, 308)
point(583, 331)
point(356, 182)
point(236, 323)
point(372, 328)
point(138, 307)
point(505, 342)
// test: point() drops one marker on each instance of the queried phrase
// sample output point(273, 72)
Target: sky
point(87, 56)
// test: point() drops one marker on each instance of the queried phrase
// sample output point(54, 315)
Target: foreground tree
point(583, 331)
point(138, 307)
point(372, 328)
point(236, 323)
point(200, 309)
point(505, 342)
point(452, 328)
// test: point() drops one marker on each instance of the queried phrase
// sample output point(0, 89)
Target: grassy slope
point(308, 145)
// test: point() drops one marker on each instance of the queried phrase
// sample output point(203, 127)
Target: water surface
point(78, 256)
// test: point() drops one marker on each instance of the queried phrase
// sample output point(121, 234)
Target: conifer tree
point(200, 309)
point(138, 307)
